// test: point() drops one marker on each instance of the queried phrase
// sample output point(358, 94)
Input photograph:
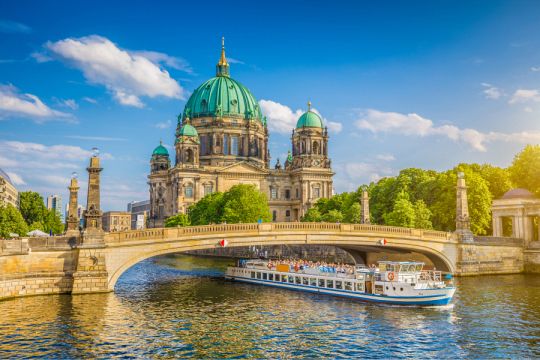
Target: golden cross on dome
point(309, 105)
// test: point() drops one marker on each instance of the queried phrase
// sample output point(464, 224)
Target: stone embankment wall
point(532, 258)
point(36, 266)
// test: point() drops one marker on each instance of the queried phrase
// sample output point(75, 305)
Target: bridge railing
point(168, 233)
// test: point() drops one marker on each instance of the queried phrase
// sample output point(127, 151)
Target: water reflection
point(178, 306)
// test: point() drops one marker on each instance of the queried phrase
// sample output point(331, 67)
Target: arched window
point(207, 189)
point(204, 106)
point(316, 148)
point(189, 156)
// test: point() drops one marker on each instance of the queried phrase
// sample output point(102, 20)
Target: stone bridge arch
point(125, 249)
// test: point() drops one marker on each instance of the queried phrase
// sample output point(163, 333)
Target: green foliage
point(245, 204)
point(403, 213)
point(422, 216)
point(177, 220)
point(37, 216)
point(241, 204)
point(333, 215)
point(353, 214)
point(525, 169)
point(312, 215)
point(11, 221)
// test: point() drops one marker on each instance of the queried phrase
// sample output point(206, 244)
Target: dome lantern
point(222, 67)
point(160, 150)
point(309, 119)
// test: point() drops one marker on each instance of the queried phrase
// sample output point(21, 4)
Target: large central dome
point(222, 96)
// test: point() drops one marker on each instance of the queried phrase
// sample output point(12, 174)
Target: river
point(179, 306)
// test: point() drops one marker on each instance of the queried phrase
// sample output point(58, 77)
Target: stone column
point(73, 213)
point(528, 229)
point(463, 226)
point(91, 271)
point(365, 217)
point(497, 226)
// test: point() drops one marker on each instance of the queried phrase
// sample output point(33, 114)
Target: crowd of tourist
point(297, 265)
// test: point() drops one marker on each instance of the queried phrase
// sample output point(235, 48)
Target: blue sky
point(400, 84)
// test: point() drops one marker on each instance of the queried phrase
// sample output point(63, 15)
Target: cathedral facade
point(222, 140)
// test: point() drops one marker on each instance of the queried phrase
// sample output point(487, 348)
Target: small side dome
point(309, 119)
point(518, 194)
point(188, 130)
point(160, 150)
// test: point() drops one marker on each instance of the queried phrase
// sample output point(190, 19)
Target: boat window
point(283, 278)
point(297, 280)
point(390, 267)
point(348, 285)
point(382, 267)
point(394, 288)
point(359, 287)
point(258, 275)
point(321, 282)
point(419, 267)
point(305, 280)
point(339, 284)
point(265, 276)
point(329, 283)
point(401, 289)
point(291, 279)
point(387, 288)
point(313, 282)
point(271, 277)
point(253, 274)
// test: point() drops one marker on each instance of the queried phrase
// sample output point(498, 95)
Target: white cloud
point(535, 68)
point(69, 103)
point(491, 92)
point(386, 157)
point(235, 61)
point(16, 104)
point(41, 57)
point(414, 125)
point(128, 75)
point(282, 119)
point(164, 59)
point(164, 124)
point(525, 95)
point(90, 100)
point(350, 175)
point(16, 178)
point(7, 26)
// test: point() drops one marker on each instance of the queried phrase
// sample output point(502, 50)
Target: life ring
point(391, 276)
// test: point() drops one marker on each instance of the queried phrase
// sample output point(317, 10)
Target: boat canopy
point(401, 266)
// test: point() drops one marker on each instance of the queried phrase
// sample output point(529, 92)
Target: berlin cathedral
point(222, 140)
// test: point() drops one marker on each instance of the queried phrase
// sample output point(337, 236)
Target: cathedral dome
point(222, 96)
point(309, 119)
point(160, 151)
point(188, 130)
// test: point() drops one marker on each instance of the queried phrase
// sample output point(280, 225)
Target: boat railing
point(430, 275)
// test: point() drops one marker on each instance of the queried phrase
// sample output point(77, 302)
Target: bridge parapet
point(171, 233)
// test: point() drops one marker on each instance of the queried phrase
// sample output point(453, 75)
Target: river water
point(179, 306)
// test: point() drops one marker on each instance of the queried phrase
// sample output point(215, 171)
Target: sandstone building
point(8, 192)
point(222, 140)
point(116, 221)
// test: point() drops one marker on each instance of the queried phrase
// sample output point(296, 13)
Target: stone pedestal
point(91, 275)
point(467, 260)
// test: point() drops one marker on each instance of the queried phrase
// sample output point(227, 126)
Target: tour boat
point(392, 282)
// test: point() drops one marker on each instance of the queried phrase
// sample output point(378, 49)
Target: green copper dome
point(188, 130)
point(309, 119)
point(222, 96)
point(160, 151)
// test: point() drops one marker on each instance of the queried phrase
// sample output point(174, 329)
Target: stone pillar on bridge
point(366, 219)
point(91, 274)
point(463, 224)
point(73, 211)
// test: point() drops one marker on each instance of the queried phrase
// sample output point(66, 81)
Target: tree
point(208, 210)
point(32, 207)
point(422, 216)
point(354, 214)
point(11, 221)
point(333, 216)
point(312, 215)
point(525, 169)
point(403, 213)
point(177, 220)
point(52, 222)
point(245, 204)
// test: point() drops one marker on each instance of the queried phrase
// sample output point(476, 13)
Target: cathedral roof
point(188, 130)
point(160, 150)
point(222, 96)
point(309, 119)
